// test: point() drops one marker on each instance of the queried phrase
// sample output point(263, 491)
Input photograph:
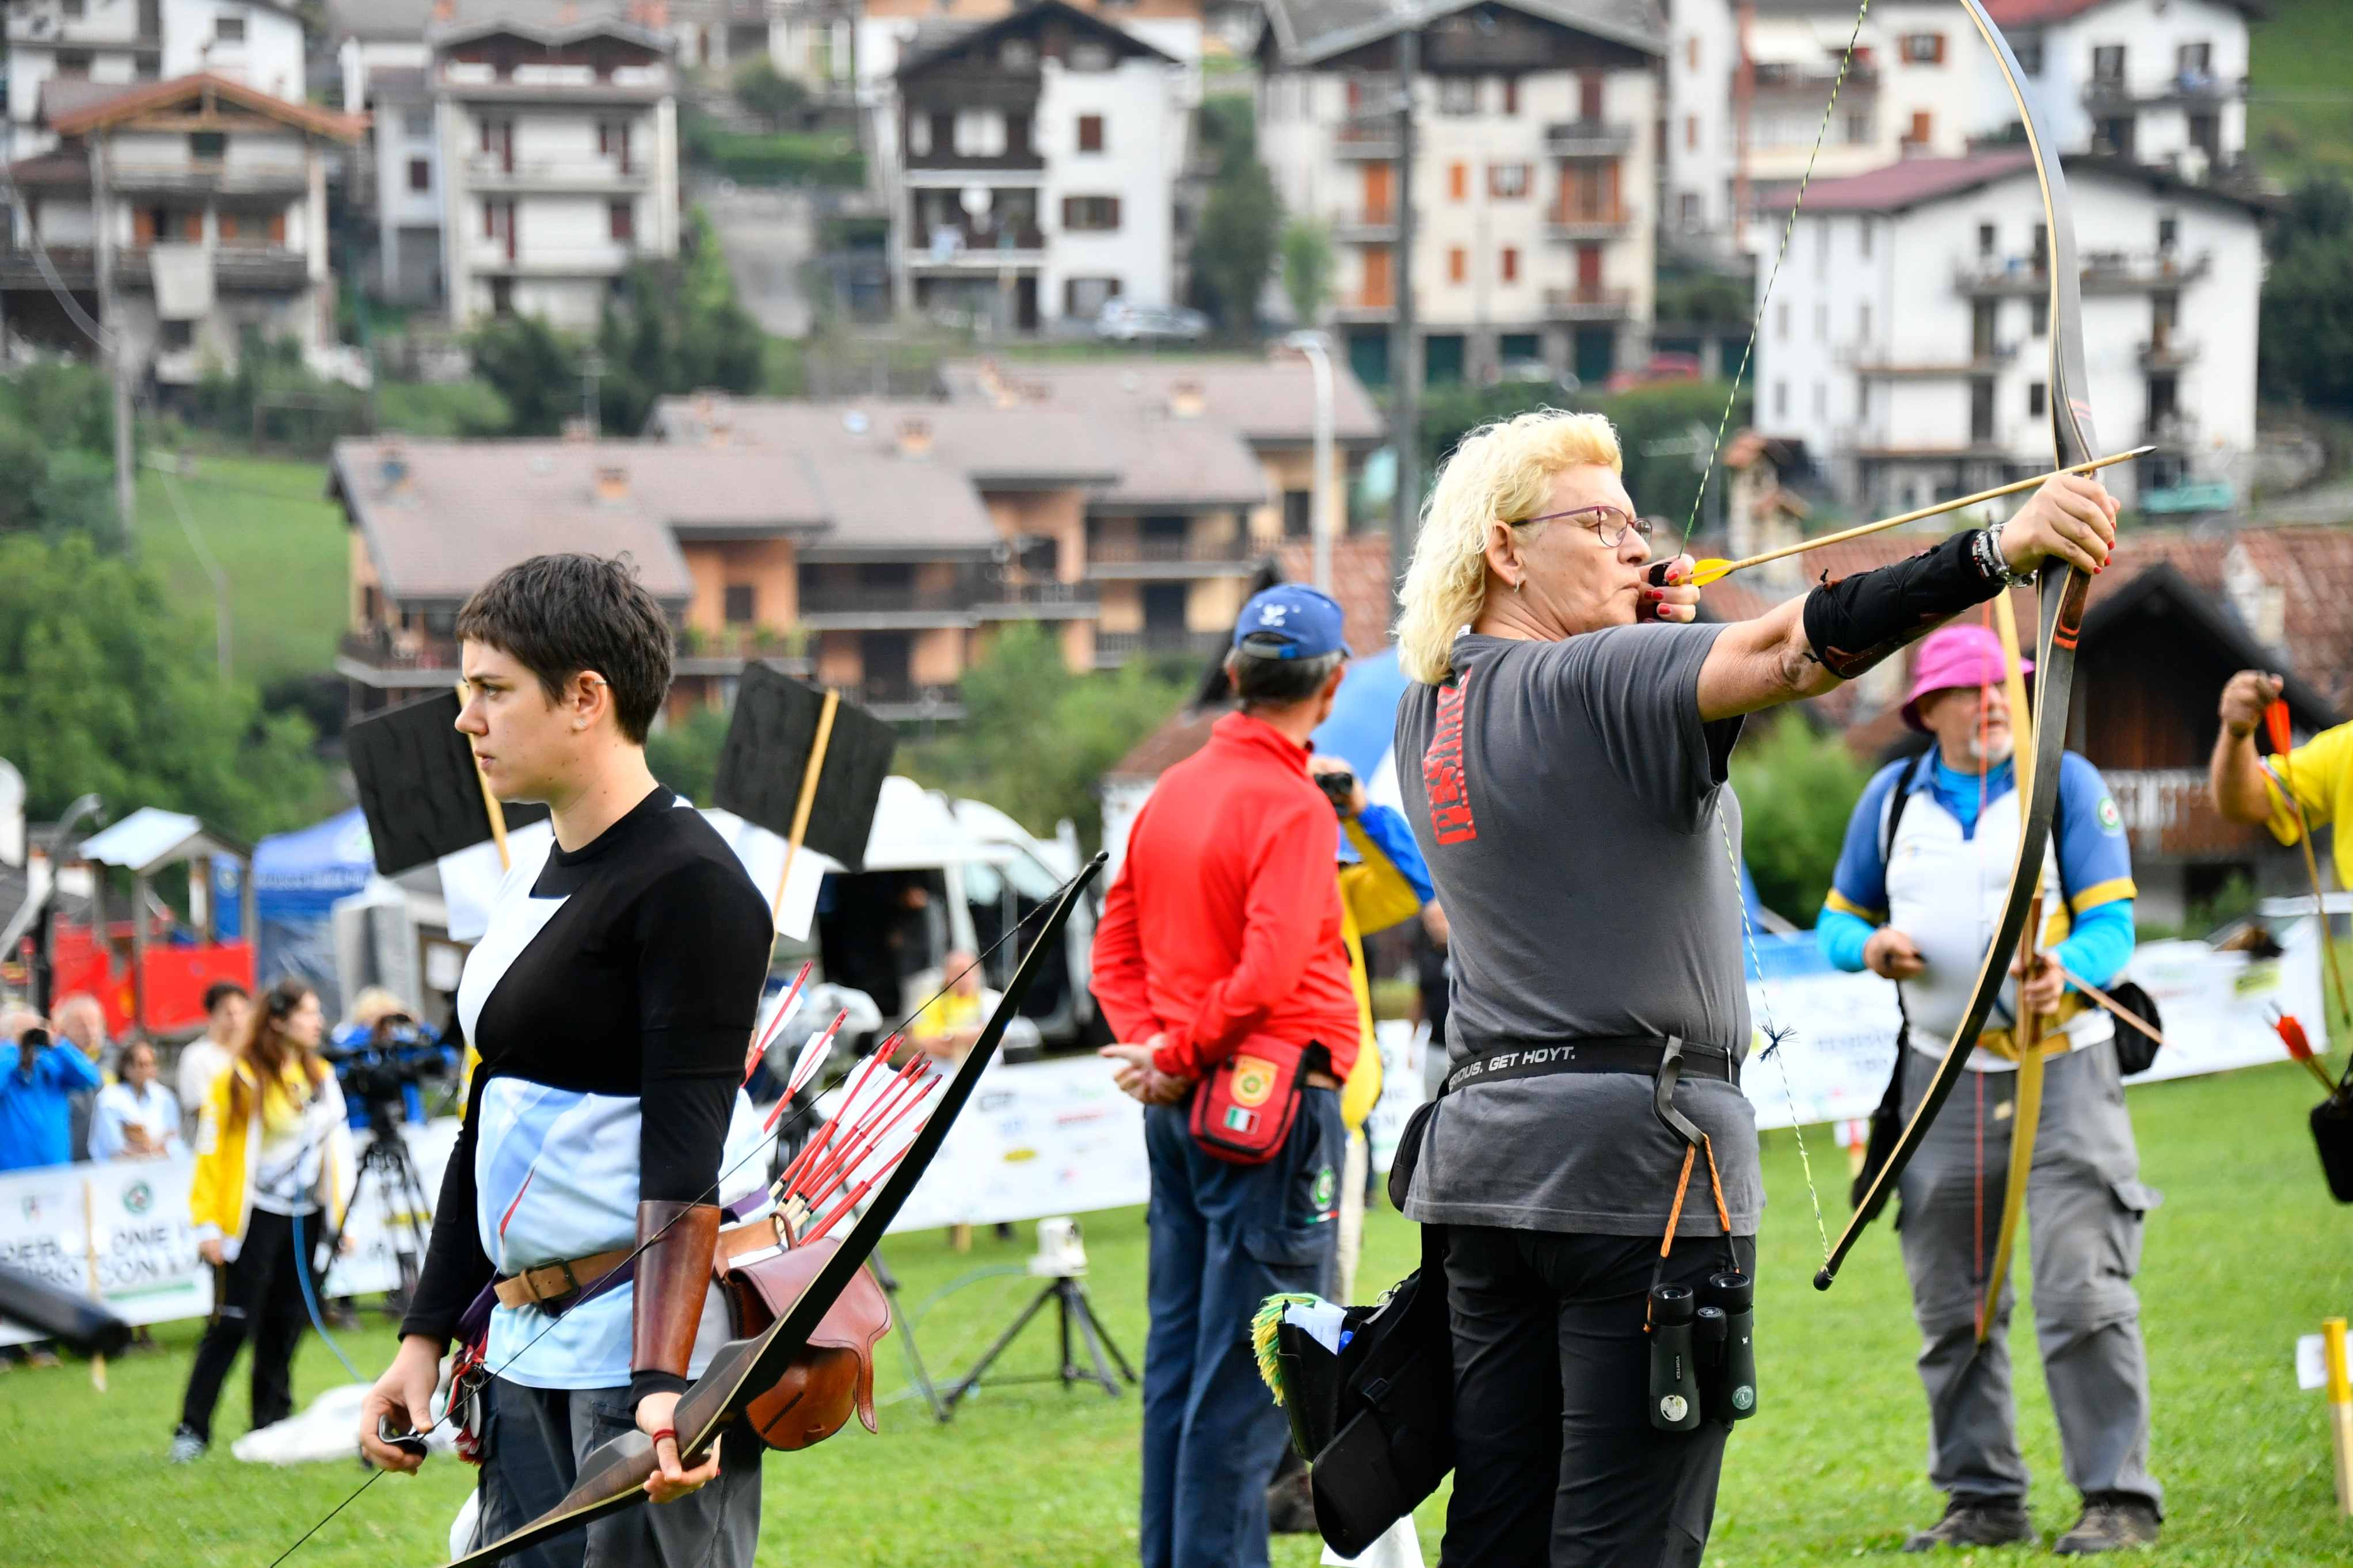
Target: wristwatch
point(1985, 548)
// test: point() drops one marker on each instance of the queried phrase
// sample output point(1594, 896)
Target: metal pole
point(1321, 525)
point(1405, 341)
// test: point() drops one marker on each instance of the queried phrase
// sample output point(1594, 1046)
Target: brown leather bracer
point(674, 1278)
point(835, 1373)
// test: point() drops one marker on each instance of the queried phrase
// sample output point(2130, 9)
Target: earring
point(1518, 583)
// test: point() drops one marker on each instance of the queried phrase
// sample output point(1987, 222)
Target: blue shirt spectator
point(39, 1075)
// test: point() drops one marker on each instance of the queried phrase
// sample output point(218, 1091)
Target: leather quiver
point(834, 1373)
point(673, 1279)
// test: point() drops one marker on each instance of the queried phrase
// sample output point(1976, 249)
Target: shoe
point(2112, 1521)
point(1290, 1505)
point(1975, 1522)
point(186, 1447)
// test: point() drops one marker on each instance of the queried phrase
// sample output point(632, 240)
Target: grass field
point(281, 545)
point(2246, 1254)
point(2300, 112)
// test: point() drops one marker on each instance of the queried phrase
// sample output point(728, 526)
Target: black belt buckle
point(1662, 1095)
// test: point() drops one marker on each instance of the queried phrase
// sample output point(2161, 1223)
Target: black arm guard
point(1853, 623)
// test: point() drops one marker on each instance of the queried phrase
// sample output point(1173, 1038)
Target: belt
point(1643, 1054)
point(557, 1281)
point(1319, 1080)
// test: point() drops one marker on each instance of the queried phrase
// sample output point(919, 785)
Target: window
point(179, 335)
point(2029, 54)
point(1863, 322)
point(1458, 264)
point(1691, 133)
point(1298, 514)
point(1018, 55)
point(1511, 96)
point(1981, 411)
point(1090, 133)
point(1687, 203)
point(73, 62)
point(1690, 52)
point(72, 10)
point(622, 219)
point(2169, 233)
point(208, 146)
point(1985, 241)
point(227, 224)
point(1091, 56)
point(2195, 61)
point(1924, 48)
point(1588, 95)
point(420, 174)
point(1511, 267)
point(743, 603)
point(228, 29)
point(1858, 127)
point(1868, 233)
point(613, 141)
point(1780, 400)
point(2037, 395)
point(2109, 64)
point(1923, 125)
point(1821, 323)
point(1458, 95)
point(1458, 182)
point(1089, 214)
point(1781, 319)
point(1507, 182)
point(417, 125)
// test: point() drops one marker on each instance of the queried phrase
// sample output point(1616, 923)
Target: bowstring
point(1775, 1036)
point(1788, 230)
point(766, 1146)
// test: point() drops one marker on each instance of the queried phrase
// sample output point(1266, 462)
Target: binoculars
point(1703, 1352)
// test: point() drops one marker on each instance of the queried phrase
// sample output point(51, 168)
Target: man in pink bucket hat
point(1916, 897)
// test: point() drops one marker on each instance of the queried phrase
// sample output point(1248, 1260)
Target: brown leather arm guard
point(673, 1280)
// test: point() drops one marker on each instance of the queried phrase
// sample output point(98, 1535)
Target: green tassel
point(1263, 1325)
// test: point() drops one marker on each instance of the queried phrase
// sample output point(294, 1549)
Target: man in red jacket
point(1219, 959)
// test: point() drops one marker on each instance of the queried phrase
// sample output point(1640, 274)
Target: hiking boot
point(1290, 1505)
point(186, 1447)
point(2112, 1521)
point(1975, 1522)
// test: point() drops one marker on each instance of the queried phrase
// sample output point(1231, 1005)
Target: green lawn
point(2246, 1254)
point(2300, 112)
point(281, 545)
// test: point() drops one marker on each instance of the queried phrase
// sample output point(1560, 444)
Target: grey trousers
point(537, 1437)
point(2085, 1207)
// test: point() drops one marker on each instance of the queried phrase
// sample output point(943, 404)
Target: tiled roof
point(2008, 14)
point(1264, 401)
point(1360, 571)
point(1912, 181)
point(1310, 30)
point(146, 97)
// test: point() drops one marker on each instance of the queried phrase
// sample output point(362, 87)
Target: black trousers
point(1556, 1464)
point(259, 1295)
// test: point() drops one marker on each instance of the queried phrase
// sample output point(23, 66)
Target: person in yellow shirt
point(273, 1172)
point(950, 1024)
point(2249, 787)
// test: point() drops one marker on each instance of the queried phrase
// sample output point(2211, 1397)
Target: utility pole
point(116, 348)
point(1405, 341)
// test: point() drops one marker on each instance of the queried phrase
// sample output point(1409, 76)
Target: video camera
point(382, 1067)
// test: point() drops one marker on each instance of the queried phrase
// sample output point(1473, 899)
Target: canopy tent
point(147, 841)
point(298, 878)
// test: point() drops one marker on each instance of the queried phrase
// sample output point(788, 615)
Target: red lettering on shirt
point(1441, 772)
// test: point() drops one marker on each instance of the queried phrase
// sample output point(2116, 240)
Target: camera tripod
point(407, 1211)
point(1072, 1306)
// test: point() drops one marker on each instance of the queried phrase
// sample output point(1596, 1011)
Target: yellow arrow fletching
point(1708, 570)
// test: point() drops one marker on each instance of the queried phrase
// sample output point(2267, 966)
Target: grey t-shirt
point(1585, 846)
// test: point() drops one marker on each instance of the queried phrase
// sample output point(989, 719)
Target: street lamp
point(1319, 523)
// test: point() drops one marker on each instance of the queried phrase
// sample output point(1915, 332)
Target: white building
point(1532, 176)
point(2158, 81)
point(1031, 168)
point(1748, 82)
point(256, 42)
point(558, 164)
point(180, 215)
point(1907, 341)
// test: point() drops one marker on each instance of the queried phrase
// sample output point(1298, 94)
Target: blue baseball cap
point(1297, 620)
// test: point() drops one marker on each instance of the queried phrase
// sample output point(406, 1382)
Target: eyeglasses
point(1610, 524)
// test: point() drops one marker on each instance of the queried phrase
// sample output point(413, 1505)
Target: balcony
point(902, 698)
point(1876, 364)
point(1588, 302)
point(2170, 432)
point(592, 260)
point(967, 248)
point(2192, 90)
point(725, 651)
point(490, 171)
point(2170, 812)
point(1586, 220)
point(1588, 139)
point(234, 268)
point(1020, 160)
point(1115, 648)
point(1051, 600)
point(860, 607)
point(2168, 352)
point(1367, 226)
point(1365, 308)
point(1813, 82)
point(1371, 136)
point(256, 267)
point(2104, 272)
point(210, 177)
point(386, 658)
point(1129, 559)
